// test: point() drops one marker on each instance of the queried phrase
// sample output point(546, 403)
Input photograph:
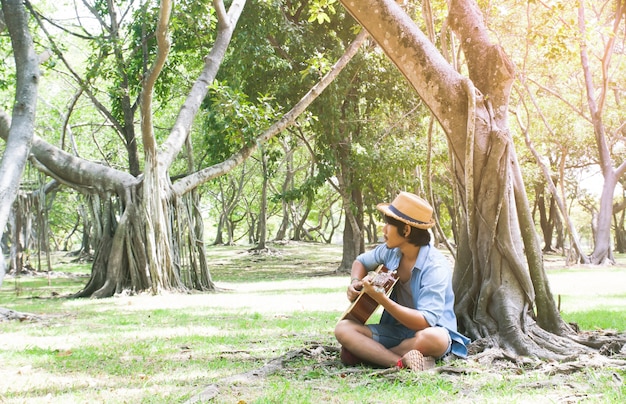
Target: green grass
point(165, 349)
point(609, 318)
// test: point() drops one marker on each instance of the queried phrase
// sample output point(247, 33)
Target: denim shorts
point(390, 335)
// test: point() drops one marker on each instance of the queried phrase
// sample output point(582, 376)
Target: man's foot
point(348, 358)
point(417, 362)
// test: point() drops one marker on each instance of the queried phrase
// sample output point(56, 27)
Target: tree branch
point(608, 52)
point(79, 173)
point(163, 49)
point(489, 68)
point(598, 127)
point(550, 91)
point(548, 176)
point(226, 25)
point(432, 77)
point(192, 181)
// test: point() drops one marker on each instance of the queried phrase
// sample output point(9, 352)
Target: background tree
point(349, 128)
point(557, 194)
point(603, 119)
point(152, 223)
point(580, 97)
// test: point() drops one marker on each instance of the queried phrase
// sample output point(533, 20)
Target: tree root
point(8, 315)
point(596, 360)
point(533, 341)
point(606, 341)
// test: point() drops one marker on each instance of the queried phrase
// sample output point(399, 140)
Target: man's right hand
point(354, 290)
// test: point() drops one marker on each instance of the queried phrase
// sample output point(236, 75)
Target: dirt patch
point(258, 297)
point(604, 285)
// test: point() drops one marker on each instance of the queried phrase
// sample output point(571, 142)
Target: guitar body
point(364, 305)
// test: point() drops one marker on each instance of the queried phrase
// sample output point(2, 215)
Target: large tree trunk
point(262, 230)
point(19, 130)
point(352, 198)
point(353, 241)
point(546, 216)
point(602, 237)
point(281, 233)
point(620, 234)
point(499, 278)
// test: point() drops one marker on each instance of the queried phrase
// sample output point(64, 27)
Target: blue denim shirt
point(431, 286)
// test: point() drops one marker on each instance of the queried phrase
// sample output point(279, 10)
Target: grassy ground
point(267, 338)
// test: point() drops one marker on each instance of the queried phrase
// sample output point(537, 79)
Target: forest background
point(154, 119)
point(366, 137)
point(157, 118)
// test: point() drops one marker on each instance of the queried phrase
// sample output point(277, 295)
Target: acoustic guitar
point(362, 308)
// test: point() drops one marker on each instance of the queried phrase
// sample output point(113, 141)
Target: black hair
point(418, 237)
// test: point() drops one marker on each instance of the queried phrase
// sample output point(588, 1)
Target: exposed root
point(536, 342)
point(606, 341)
point(8, 315)
point(266, 252)
point(500, 358)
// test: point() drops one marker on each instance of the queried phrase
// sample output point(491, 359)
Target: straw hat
point(410, 209)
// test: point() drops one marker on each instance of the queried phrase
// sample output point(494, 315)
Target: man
point(418, 324)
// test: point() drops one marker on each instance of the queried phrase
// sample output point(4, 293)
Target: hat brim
point(384, 208)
